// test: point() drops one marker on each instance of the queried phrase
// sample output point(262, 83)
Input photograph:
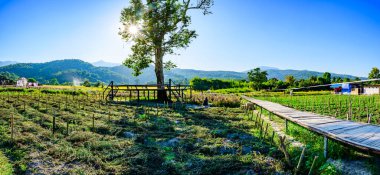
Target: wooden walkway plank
point(360, 135)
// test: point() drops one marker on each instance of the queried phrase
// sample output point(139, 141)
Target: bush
point(217, 100)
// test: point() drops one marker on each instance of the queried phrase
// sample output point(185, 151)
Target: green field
point(352, 107)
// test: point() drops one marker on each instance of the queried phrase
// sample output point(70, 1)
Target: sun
point(133, 29)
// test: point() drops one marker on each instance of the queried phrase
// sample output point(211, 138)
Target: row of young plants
point(350, 107)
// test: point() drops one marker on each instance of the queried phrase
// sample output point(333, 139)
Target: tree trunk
point(159, 70)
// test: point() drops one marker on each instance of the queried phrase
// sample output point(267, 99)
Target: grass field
point(80, 134)
point(73, 131)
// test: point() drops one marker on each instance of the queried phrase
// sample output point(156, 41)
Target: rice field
point(351, 107)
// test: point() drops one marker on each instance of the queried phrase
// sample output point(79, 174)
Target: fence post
point(67, 128)
point(53, 123)
point(300, 160)
point(93, 122)
point(325, 146)
point(170, 89)
point(312, 165)
point(286, 125)
point(12, 127)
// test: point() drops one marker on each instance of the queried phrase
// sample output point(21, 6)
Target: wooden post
point(283, 148)
point(138, 96)
point(67, 128)
point(312, 165)
point(156, 108)
point(170, 89)
point(54, 123)
point(112, 92)
point(93, 122)
point(350, 109)
point(12, 127)
point(266, 130)
point(369, 118)
point(286, 125)
point(261, 129)
point(325, 146)
point(191, 92)
point(300, 160)
point(270, 116)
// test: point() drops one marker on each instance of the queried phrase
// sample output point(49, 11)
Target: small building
point(30, 84)
point(371, 90)
point(22, 82)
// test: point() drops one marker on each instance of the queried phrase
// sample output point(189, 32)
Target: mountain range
point(6, 63)
point(70, 69)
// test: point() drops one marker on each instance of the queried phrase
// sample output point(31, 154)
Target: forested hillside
point(67, 70)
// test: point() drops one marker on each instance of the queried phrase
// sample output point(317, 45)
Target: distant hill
point(102, 63)
point(67, 70)
point(64, 71)
point(268, 68)
point(302, 74)
point(6, 63)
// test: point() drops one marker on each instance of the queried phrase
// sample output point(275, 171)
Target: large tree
point(157, 28)
point(375, 73)
point(258, 77)
point(327, 78)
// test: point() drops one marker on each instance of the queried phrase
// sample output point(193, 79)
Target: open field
point(80, 134)
point(72, 131)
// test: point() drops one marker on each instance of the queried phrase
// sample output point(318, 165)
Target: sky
point(340, 36)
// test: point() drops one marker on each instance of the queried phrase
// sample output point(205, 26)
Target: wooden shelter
point(175, 92)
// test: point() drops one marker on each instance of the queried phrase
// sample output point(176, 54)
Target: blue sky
point(341, 36)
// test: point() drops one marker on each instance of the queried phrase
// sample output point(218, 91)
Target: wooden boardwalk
point(363, 136)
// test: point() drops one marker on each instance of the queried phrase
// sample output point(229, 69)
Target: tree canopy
point(258, 77)
point(375, 73)
point(157, 28)
point(8, 78)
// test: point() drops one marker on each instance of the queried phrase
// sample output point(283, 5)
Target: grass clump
point(5, 166)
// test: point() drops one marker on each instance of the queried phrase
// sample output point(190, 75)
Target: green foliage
point(290, 79)
point(213, 84)
point(217, 100)
point(258, 77)
point(375, 73)
point(87, 83)
point(157, 28)
point(99, 84)
point(8, 78)
point(32, 80)
point(54, 81)
point(327, 78)
point(328, 169)
point(5, 166)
